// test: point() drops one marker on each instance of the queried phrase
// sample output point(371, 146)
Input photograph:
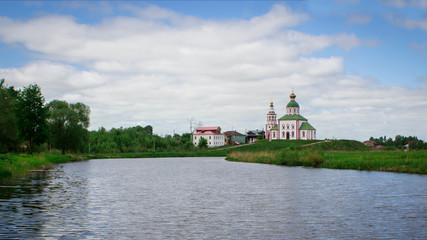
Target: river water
point(210, 198)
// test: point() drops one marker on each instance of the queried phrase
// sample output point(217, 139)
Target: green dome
point(292, 103)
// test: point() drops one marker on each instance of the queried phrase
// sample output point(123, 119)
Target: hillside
point(323, 145)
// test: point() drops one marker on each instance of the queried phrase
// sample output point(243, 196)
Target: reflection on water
point(209, 198)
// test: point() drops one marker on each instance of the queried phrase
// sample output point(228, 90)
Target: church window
point(287, 126)
point(293, 127)
point(303, 133)
point(293, 134)
point(274, 134)
point(283, 134)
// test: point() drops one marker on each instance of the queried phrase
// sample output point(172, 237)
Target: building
point(213, 136)
point(233, 137)
point(253, 135)
point(291, 126)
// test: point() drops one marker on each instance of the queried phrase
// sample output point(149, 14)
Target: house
point(253, 135)
point(233, 137)
point(291, 126)
point(213, 136)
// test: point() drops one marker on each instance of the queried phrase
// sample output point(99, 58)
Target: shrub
point(312, 158)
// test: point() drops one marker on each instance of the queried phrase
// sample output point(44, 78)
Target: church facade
point(291, 126)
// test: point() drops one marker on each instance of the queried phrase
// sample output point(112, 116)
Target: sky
point(358, 68)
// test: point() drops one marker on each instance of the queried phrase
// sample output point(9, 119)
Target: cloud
point(422, 79)
point(405, 3)
point(407, 23)
point(160, 67)
point(359, 18)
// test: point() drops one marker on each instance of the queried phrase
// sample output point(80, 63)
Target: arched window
point(303, 133)
point(274, 134)
point(293, 126)
point(293, 134)
point(287, 126)
point(283, 134)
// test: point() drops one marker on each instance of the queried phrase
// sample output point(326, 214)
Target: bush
point(5, 173)
point(312, 158)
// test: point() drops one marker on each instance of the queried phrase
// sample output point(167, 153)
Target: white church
point(291, 126)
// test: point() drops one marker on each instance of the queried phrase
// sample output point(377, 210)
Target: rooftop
point(293, 117)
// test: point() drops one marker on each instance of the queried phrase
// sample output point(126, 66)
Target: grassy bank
point(337, 154)
point(18, 165)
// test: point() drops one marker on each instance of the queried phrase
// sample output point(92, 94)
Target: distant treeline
point(28, 125)
point(137, 139)
point(400, 142)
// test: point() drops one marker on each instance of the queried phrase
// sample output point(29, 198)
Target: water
point(209, 198)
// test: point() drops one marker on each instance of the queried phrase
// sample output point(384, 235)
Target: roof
point(275, 127)
point(233, 133)
point(207, 128)
point(293, 117)
point(306, 126)
point(292, 103)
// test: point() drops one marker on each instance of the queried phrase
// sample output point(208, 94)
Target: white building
point(213, 136)
point(290, 126)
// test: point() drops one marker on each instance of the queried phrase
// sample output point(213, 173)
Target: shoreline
point(19, 165)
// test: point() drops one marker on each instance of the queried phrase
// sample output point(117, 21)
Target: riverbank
point(335, 154)
point(18, 165)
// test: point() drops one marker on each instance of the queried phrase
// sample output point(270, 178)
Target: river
point(210, 198)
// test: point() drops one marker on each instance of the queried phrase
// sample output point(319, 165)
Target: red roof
point(207, 128)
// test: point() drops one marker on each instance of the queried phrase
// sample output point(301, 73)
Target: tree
point(194, 124)
point(31, 115)
point(8, 127)
point(203, 143)
point(68, 125)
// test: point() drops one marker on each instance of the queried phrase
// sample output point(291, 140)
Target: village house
point(234, 137)
point(213, 136)
point(291, 126)
point(253, 135)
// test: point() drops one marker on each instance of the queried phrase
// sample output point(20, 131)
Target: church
point(291, 126)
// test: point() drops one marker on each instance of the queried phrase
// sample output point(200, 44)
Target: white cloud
point(405, 3)
point(407, 23)
point(161, 68)
point(359, 18)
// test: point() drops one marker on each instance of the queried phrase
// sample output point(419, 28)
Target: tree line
point(137, 139)
point(27, 124)
point(400, 142)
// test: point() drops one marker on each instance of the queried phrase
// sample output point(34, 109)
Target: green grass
point(17, 165)
point(337, 154)
point(283, 157)
point(392, 161)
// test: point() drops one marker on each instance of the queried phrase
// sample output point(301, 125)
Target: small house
point(233, 138)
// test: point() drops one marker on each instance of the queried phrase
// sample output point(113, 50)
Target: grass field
point(337, 154)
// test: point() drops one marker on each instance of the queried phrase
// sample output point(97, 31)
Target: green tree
point(31, 115)
point(8, 128)
point(68, 125)
point(203, 143)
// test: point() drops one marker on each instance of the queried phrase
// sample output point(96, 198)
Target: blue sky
point(344, 58)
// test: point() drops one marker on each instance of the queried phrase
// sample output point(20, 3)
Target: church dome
point(292, 103)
